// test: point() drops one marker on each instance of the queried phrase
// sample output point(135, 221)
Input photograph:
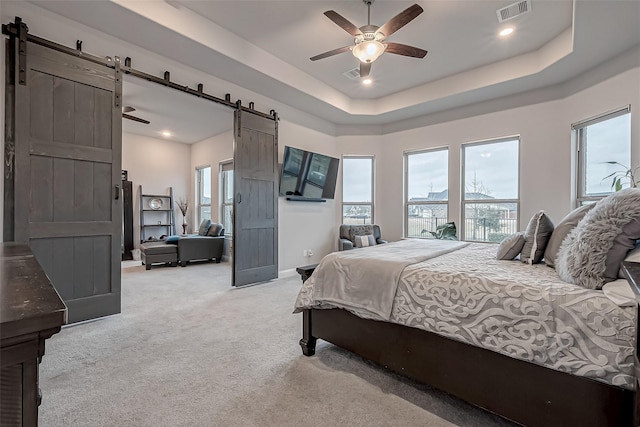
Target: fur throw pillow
point(591, 253)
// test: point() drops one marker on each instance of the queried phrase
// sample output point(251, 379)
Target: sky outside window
point(607, 141)
point(492, 169)
point(427, 173)
point(356, 179)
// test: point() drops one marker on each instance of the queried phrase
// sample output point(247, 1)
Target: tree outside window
point(491, 190)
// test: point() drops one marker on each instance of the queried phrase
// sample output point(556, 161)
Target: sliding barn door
point(255, 205)
point(67, 176)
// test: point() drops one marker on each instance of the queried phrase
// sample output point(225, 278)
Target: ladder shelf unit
point(157, 216)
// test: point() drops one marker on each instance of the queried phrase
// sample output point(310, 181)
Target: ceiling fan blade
point(405, 50)
point(365, 69)
point(400, 20)
point(135, 119)
point(128, 109)
point(342, 22)
point(331, 53)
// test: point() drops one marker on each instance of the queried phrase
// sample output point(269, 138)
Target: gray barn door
point(255, 205)
point(67, 176)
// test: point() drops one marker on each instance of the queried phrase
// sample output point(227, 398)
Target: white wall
point(306, 225)
point(156, 164)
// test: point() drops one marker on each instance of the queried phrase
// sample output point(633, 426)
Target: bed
point(510, 337)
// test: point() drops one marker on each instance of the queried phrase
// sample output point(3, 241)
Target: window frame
point(577, 130)
point(199, 188)
point(225, 166)
point(371, 204)
point(464, 202)
point(406, 155)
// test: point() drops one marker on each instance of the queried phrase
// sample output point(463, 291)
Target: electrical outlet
point(305, 253)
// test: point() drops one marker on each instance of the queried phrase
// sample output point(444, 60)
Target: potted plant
point(620, 176)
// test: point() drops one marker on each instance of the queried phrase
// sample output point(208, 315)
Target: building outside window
point(357, 189)
point(203, 194)
point(600, 141)
point(426, 191)
point(490, 189)
point(226, 196)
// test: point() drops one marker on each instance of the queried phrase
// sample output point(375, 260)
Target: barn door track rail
point(19, 30)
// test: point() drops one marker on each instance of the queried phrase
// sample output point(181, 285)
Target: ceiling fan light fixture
point(506, 31)
point(368, 51)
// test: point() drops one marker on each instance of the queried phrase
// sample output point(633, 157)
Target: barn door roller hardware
point(19, 30)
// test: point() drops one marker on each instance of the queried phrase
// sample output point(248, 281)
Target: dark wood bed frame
point(529, 394)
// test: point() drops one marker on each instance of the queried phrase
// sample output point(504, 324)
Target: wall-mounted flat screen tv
point(308, 175)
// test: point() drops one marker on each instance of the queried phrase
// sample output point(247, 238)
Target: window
point(490, 190)
point(226, 196)
point(426, 191)
point(357, 189)
point(203, 193)
point(601, 140)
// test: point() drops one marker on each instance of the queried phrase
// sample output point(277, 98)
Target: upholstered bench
point(158, 252)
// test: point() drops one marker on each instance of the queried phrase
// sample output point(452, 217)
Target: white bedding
point(365, 281)
point(523, 311)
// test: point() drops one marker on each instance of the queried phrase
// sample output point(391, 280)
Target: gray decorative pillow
point(359, 230)
point(214, 230)
point(592, 253)
point(511, 246)
point(364, 241)
point(204, 227)
point(536, 237)
point(563, 228)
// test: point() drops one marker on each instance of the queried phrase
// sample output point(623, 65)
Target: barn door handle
point(239, 197)
point(117, 192)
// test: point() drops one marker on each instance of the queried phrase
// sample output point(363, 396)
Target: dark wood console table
point(30, 312)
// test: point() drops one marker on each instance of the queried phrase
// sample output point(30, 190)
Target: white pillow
point(364, 241)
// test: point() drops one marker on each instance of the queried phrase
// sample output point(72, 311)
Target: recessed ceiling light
point(367, 81)
point(166, 133)
point(506, 31)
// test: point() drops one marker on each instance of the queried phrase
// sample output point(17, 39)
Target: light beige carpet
point(188, 350)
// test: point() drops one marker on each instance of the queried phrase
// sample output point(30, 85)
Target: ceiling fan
point(370, 39)
point(129, 109)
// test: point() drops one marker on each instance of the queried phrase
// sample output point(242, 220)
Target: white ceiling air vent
point(352, 74)
point(513, 10)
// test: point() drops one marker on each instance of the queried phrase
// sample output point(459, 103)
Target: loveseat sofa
point(207, 244)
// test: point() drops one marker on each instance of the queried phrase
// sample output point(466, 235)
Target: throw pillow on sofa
point(359, 230)
point(204, 227)
point(364, 241)
point(215, 230)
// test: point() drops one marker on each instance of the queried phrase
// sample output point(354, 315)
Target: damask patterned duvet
point(519, 310)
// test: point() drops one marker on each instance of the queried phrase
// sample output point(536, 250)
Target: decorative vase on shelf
point(183, 205)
